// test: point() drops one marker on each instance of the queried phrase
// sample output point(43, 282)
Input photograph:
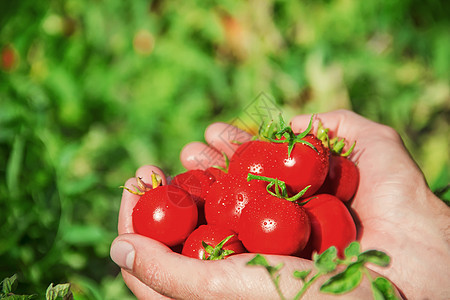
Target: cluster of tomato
point(286, 194)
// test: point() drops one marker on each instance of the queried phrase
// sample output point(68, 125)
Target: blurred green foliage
point(91, 90)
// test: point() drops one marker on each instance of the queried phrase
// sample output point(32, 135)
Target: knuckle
point(389, 133)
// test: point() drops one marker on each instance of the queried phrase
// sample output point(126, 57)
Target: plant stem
point(277, 287)
point(367, 273)
point(307, 285)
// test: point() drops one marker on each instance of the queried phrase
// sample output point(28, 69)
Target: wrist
point(420, 258)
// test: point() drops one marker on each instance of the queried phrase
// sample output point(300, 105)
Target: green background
point(98, 88)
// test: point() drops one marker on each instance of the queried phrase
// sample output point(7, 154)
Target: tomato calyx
point(217, 252)
point(142, 187)
point(285, 134)
point(227, 164)
point(279, 187)
point(336, 144)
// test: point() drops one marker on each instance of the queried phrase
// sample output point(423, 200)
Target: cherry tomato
point(304, 166)
point(214, 173)
point(227, 197)
point(274, 226)
point(166, 213)
point(195, 182)
point(331, 224)
point(211, 235)
point(342, 180)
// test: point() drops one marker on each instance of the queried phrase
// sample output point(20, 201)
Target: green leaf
point(301, 274)
point(274, 269)
point(59, 290)
point(326, 262)
point(354, 249)
point(345, 281)
point(258, 260)
point(376, 257)
point(208, 248)
point(383, 290)
point(377, 295)
point(227, 252)
point(217, 252)
point(9, 284)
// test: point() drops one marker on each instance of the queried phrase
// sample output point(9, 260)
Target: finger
point(341, 123)
point(351, 126)
point(139, 289)
point(176, 276)
point(145, 173)
point(197, 155)
point(225, 137)
point(346, 124)
point(129, 200)
point(372, 139)
point(396, 171)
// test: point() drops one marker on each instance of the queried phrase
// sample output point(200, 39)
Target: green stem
point(307, 285)
point(298, 195)
point(349, 150)
point(251, 176)
point(293, 138)
point(280, 187)
point(277, 287)
point(367, 273)
point(227, 163)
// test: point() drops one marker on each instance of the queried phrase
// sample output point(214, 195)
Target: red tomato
point(331, 224)
point(211, 235)
point(166, 213)
point(305, 166)
point(195, 182)
point(214, 173)
point(274, 226)
point(227, 197)
point(342, 180)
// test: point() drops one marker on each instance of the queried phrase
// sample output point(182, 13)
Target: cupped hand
point(398, 212)
point(399, 215)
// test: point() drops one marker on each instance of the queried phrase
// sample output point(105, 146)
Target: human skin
point(398, 212)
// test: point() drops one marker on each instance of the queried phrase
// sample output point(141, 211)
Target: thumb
point(181, 277)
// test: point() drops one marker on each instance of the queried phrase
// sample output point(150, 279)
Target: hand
point(398, 212)
point(151, 270)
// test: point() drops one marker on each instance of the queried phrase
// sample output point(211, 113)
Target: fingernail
point(122, 253)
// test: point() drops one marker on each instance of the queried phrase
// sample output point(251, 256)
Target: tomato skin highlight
point(342, 180)
point(331, 225)
point(274, 226)
point(167, 214)
point(226, 199)
point(212, 235)
point(251, 157)
point(305, 166)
